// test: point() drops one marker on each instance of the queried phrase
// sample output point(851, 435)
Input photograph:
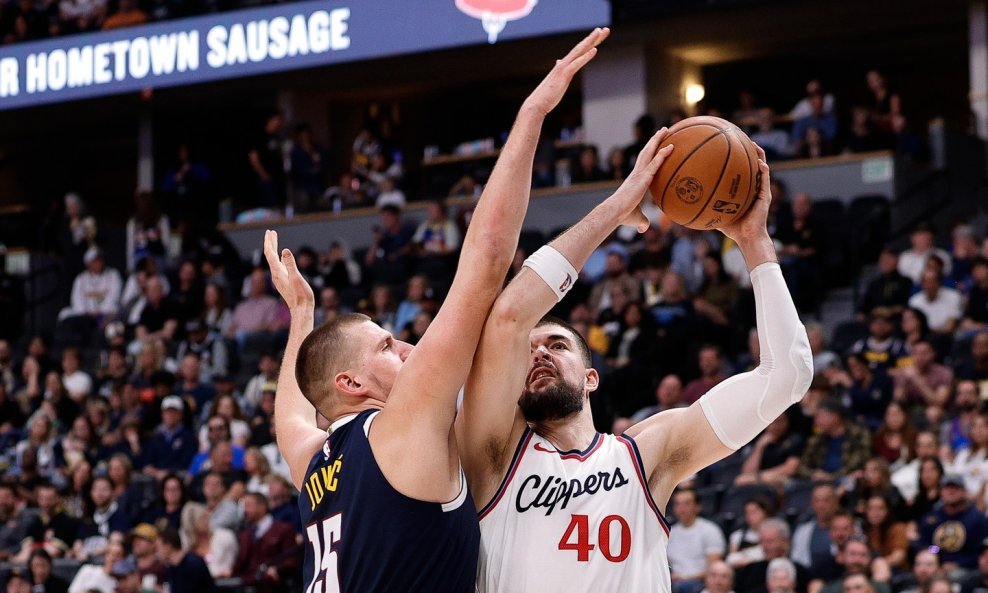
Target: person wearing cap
point(881, 349)
point(95, 291)
point(173, 445)
point(838, 448)
point(143, 545)
point(912, 261)
point(955, 527)
point(126, 576)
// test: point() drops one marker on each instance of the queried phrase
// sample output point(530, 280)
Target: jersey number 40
point(579, 526)
point(325, 575)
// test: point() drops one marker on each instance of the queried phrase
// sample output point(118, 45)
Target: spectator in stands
point(642, 130)
point(148, 232)
point(308, 166)
point(18, 581)
point(46, 450)
point(281, 501)
point(804, 107)
point(144, 543)
point(838, 448)
point(963, 251)
point(215, 313)
point(11, 520)
point(258, 471)
point(926, 567)
point(956, 527)
point(159, 319)
point(823, 358)
point(819, 119)
point(340, 270)
point(943, 306)
point(51, 530)
point(715, 299)
point(719, 578)
point(189, 386)
point(780, 576)
point(387, 257)
point(216, 544)
point(709, 362)
point(976, 368)
point(436, 238)
point(187, 295)
point(881, 349)
point(862, 136)
point(744, 544)
point(895, 436)
point(130, 496)
point(853, 559)
point(95, 292)
point(259, 313)
point(673, 317)
point(890, 289)
point(329, 306)
point(105, 516)
point(81, 16)
point(971, 460)
point(886, 535)
point(347, 193)
point(388, 194)
point(380, 307)
point(99, 576)
point(187, 190)
point(615, 276)
point(694, 543)
point(186, 571)
point(886, 102)
point(173, 445)
point(976, 582)
point(270, 450)
point(976, 311)
point(924, 382)
point(773, 534)
point(42, 578)
point(617, 168)
point(268, 366)
point(227, 427)
point(219, 489)
point(802, 243)
point(77, 382)
point(80, 442)
point(875, 480)
point(207, 347)
point(774, 142)
point(267, 162)
point(912, 261)
point(268, 552)
point(167, 512)
point(869, 391)
point(587, 166)
point(411, 305)
point(774, 458)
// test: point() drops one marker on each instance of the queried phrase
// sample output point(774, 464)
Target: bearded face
point(551, 400)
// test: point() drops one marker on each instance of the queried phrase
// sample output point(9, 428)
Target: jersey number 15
point(325, 575)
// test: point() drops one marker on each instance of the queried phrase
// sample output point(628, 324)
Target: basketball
point(711, 177)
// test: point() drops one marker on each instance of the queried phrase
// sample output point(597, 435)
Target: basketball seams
point(720, 178)
point(720, 132)
point(754, 172)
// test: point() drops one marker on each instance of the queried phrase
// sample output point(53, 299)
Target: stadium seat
point(829, 213)
point(796, 500)
point(731, 514)
point(869, 221)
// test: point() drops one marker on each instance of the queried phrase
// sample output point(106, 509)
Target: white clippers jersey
point(573, 521)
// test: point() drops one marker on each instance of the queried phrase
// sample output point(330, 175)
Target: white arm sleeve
point(742, 406)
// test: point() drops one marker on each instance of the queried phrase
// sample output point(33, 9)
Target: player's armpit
point(301, 443)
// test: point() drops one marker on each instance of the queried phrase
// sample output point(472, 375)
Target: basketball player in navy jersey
point(383, 497)
point(563, 508)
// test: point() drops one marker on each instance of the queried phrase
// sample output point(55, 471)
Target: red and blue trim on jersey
point(575, 453)
point(640, 470)
point(526, 437)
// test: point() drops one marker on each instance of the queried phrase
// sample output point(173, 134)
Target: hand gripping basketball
point(628, 197)
point(754, 222)
point(550, 91)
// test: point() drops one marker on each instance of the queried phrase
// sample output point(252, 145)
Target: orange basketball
point(711, 177)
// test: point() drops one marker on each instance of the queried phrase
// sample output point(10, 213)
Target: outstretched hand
point(550, 91)
point(754, 223)
point(287, 279)
point(629, 195)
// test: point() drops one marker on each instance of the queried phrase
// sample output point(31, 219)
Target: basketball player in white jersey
point(563, 508)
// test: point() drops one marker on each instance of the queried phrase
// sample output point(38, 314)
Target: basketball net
point(493, 24)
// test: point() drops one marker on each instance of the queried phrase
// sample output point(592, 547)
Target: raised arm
point(294, 417)
point(677, 443)
point(490, 416)
point(422, 403)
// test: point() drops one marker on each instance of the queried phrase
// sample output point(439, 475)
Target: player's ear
point(347, 383)
point(592, 380)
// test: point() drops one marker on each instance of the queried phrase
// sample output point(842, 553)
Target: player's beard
point(555, 401)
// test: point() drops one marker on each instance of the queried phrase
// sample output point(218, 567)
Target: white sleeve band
point(743, 405)
point(554, 269)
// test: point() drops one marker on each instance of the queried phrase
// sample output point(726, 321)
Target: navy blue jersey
point(364, 536)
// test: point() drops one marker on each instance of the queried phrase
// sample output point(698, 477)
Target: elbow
point(506, 312)
point(801, 362)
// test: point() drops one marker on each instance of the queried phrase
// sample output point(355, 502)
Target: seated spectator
point(956, 527)
point(268, 367)
point(387, 256)
point(976, 369)
point(774, 458)
point(715, 299)
point(186, 296)
point(329, 307)
point(709, 362)
point(144, 543)
point(943, 306)
point(216, 315)
point(259, 313)
point(853, 560)
point(173, 445)
point(436, 239)
point(825, 123)
point(185, 571)
point(926, 567)
point(19, 579)
point(869, 391)
point(104, 516)
point(975, 582)
point(895, 436)
point(214, 432)
point(586, 167)
point(881, 349)
point(208, 347)
point(159, 319)
point(863, 137)
point(80, 443)
point(82, 16)
point(130, 496)
point(906, 477)
point(804, 107)
point(719, 579)
point(971, 460)
point(780, 576)
point(695, 544)
point(308, 168)
point(190, 387)
point(744, 543)
point(340, 270)
point(265, 556)
point(668, 395)
point(885, 103)
point(220, 462)
point(223, 509)
point(282, 501)
point(963, 251)
point(976, 311)
point(129, 14)
point(673, 318)
point(388, 194)
point(838, 448)
point(51, 530)
point(167, 512)
point(755, 577)
point(258, 471)
point(912, 261)
point(99, 577)
point(907, 143)
point(95, 292)
point(890, 289)
point(875, 480)
point(12, 520)
point(774, 142)
point(275, 460)
point(411, 305)
point(43, 580)
point(44, 446)
point(924, 383)
point(886, 535)
point(801, 240)
point(216, 545)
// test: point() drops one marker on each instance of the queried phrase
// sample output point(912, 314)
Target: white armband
point(554, 269)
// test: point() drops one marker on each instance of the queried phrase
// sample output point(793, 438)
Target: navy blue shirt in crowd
point(191, 574)
point(958, 536)
point(172, 451)
point(374, 539)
